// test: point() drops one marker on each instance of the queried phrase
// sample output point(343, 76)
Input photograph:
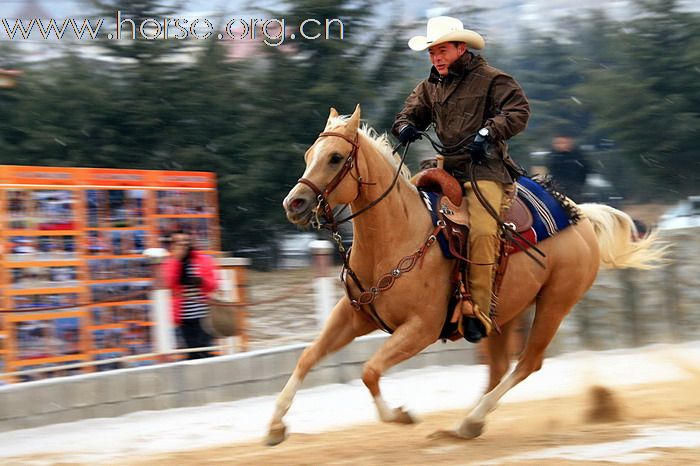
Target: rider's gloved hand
point(479, 147)
point(408, 133)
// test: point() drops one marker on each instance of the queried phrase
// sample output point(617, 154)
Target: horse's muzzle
point(298, 207)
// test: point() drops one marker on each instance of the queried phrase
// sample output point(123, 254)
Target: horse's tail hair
point(620, 244)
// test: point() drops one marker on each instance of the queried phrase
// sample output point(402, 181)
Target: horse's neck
point(394, 226)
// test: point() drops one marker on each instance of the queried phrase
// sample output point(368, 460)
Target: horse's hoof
point(403, 417)
point(471, 429)
point(445, 435)
point(466, 432)
point(276, 435)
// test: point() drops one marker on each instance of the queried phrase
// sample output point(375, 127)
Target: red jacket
point(172, 268)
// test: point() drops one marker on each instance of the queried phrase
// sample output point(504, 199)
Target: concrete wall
point(193, 383)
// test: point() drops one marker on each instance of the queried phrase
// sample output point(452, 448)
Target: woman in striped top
point(191, 277)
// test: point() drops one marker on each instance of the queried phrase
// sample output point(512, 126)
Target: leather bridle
point(351, 162)
point(322, 195)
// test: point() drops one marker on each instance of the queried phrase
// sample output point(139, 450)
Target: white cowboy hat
point(446, 29)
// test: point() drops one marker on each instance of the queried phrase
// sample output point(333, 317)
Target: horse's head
point(329, 159)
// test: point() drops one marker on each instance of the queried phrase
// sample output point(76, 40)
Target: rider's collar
point(456, 69)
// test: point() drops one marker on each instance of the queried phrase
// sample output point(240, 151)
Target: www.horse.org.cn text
point(272, 31)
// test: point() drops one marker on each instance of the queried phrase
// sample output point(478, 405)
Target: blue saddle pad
point(548, 214)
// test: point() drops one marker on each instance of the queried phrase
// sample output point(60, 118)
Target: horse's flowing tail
point(620, 244)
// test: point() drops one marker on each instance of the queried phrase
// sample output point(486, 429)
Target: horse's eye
point(336, 158)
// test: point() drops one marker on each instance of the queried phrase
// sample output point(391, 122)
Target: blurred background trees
point(629, 91)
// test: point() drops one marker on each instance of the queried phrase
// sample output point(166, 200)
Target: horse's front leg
point(407, 341)
point(343, 326)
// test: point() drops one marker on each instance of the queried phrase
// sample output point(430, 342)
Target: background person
point(567, 166)
point(191, 278)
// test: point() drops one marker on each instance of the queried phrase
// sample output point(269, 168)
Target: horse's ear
point(354, 121)
point(331, 116)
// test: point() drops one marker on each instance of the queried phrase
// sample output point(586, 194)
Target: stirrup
point(473, 324)
point(485, 319)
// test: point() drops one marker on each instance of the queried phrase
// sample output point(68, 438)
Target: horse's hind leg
point(552, 307)
point(343, 326)
point(408, 340)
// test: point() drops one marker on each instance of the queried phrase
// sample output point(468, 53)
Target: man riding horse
point(401, 282)
point(476, 108)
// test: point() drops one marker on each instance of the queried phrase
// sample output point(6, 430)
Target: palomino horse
point(415, 307)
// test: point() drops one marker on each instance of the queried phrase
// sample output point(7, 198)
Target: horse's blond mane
point(380, 142)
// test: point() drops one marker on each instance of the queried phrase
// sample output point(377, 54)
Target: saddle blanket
point(549, 216)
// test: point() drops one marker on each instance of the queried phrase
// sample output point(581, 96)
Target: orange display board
point(75, 285)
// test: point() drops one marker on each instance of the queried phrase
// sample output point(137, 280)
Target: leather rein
point(326, 219)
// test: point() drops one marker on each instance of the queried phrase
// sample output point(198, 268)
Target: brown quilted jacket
point(473, 95)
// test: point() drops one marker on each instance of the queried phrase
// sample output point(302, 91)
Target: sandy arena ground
point(649, 414)
point(551, 431)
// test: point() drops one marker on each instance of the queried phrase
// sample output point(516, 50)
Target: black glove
point(408, 133)
point(479, 149)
